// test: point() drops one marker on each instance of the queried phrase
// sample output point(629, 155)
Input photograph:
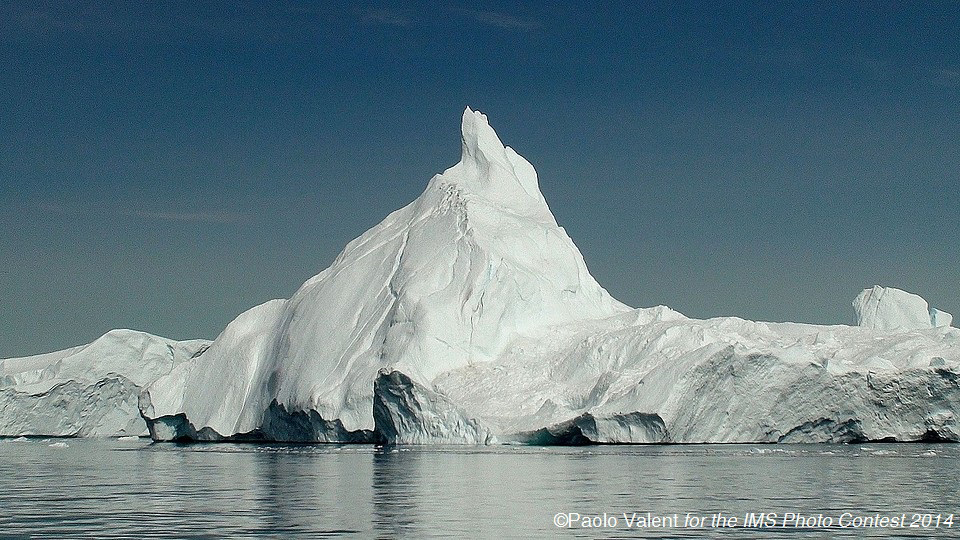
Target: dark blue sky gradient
point(166, 166)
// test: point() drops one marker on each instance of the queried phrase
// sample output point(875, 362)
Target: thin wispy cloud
point(874, 67)
point(134, 20)
point(42, 19)
point(498, 19)
point(54, 207)
point(949, 78)
point(187, 217)
point(800, 58)
point(387, 17)
point(107, 210)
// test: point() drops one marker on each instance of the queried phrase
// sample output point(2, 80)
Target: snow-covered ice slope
point(718, 380)
point(470, 317)
point(86, 391)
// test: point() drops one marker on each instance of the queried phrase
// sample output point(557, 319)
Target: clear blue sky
point(166, 166)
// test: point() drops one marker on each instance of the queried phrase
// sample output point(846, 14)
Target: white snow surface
point(469, 317)
point(90, 390)
point(888, 309)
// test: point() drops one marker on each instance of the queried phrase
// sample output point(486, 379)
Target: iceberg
point(447, 282)
point(888, 309)
point(469, 317)
point(87, 391)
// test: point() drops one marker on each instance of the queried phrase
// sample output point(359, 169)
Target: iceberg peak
point(494, 172)
point(478, 139)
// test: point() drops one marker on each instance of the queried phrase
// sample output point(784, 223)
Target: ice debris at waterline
point(86, 391)
point(469, 317)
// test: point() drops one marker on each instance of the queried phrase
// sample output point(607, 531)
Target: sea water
point(134, 488)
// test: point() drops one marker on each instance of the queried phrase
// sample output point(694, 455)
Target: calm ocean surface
point(132, 489)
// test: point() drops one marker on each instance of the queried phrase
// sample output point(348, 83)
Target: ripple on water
point(121, 489)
